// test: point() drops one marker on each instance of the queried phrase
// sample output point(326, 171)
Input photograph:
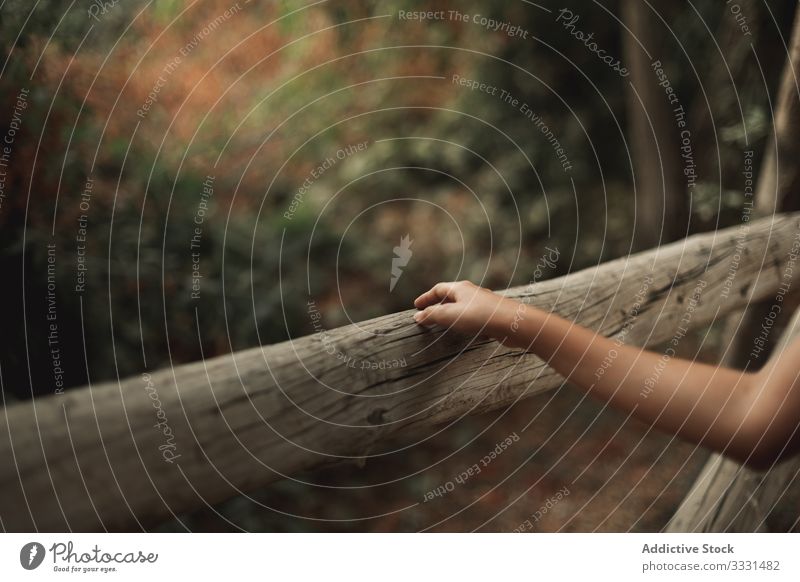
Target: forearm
point(750, 416)
point(702, 403)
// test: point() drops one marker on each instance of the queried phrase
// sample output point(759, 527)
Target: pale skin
point(752, 417)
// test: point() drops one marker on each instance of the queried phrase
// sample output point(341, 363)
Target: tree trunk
point(777, 190)
point(660, 192)
point(778, 187)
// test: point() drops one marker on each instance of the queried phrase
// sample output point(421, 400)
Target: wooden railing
point(131, 453)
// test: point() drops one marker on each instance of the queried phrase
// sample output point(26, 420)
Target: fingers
point(434, 315)
point(438, 293)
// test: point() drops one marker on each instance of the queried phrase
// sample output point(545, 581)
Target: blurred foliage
point(262, 98)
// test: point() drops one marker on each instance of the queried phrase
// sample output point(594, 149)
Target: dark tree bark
point(779, 182)
point(660, 192)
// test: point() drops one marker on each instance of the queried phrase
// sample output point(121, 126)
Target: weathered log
point(94, 457)
point(728, 497)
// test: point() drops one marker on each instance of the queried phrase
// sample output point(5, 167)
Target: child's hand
point(470, 310)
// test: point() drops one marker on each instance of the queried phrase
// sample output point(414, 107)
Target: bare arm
point(752, 417)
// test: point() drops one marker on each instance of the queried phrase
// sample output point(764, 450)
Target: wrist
point(517, 324)
point(530, 330)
